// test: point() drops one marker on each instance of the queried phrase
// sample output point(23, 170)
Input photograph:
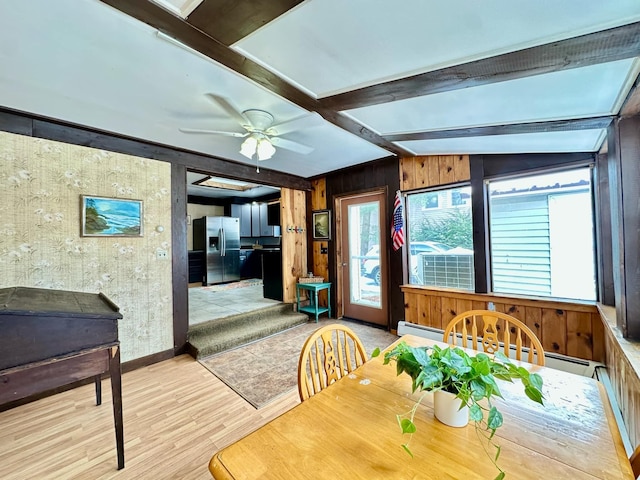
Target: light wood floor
point(176, 416)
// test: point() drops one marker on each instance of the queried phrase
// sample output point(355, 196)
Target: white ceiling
point(104, 69)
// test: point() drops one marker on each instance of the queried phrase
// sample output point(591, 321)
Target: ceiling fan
point(261, 135)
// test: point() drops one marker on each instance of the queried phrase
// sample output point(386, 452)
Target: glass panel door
point(364, 258)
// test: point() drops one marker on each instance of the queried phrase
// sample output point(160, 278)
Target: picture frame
point(110, 217)
point(321, 224)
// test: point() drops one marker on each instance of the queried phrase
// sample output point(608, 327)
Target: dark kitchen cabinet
point(267, 230)
point(243, 212)
point(196, 266)
point(272, 275)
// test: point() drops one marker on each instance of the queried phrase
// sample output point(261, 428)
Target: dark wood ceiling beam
point(631, 105)
point(166, 22)
point(52, 129)
point(510, 129)
point(230, 20)
point(599, 47)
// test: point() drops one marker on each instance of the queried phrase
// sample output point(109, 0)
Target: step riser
point(223, 324)
point(220, 335)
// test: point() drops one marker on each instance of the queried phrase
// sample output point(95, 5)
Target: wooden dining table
point(350, 431)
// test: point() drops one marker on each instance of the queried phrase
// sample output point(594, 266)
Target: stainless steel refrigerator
point(219, 238)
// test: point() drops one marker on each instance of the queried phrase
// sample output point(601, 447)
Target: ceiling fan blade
point(309, 120)
point(291, 145)
point(231, 109)
point(214, 132)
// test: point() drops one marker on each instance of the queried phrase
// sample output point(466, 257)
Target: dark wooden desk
point(52, 338)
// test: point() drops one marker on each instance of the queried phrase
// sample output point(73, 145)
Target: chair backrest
point(329, 353)
point(489, 331)
point(635, 462)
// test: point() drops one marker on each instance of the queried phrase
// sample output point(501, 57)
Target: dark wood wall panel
point(628, 164)
point(179, 260)
point(497, 165)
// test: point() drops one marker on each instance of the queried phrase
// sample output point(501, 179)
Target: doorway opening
point(224, 282)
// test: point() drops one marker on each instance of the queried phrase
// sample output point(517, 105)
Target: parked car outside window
point(370, 266)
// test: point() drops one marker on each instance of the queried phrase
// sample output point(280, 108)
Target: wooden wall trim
point(623, 367)
point(578, 306)
point(179, 258)
point(567, 328)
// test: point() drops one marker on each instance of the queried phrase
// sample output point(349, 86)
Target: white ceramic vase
point(447, 409)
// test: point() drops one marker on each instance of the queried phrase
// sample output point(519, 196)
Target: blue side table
point(313, 289)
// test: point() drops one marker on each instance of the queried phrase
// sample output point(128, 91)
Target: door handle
point(344, 264)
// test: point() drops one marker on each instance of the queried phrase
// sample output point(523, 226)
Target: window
point(440, 238)
point(541, 235)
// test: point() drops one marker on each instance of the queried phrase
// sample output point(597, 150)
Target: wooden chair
point(330, 353)
point(635, 462)
point(489, 331)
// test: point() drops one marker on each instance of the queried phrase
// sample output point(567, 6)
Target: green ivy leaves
point(471, 378)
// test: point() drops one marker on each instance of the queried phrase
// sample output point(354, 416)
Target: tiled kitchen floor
point(205, 305)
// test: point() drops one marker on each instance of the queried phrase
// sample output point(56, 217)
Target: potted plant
point(470, 380)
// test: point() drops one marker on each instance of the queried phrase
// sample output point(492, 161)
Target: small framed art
point(110, 217)
point(321, 220)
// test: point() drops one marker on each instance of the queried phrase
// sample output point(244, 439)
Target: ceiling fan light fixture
point(265, 149)
point(249, 146)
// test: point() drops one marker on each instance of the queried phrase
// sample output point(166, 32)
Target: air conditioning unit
point(445, 270)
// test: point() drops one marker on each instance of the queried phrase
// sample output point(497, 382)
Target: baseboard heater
point(553, 360)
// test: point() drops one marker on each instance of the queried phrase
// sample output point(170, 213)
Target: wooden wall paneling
point(423, 306)
point(294, 244)
point(435, 312)
point(446, 169)
point(336, 259)
point(432, 171)
point(548, 319)
point(554, 333)
point(579, 335)
point(597, 339)
point(625, 382)
point(461, 168)
point(319, 261)
point(533, 319)
point(411, 309)
point(478, 305)
point(406, 167)
point(517, 311)
point(422, 172)
point(447, 309)
point(463, 305)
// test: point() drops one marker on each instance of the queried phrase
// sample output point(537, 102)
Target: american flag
point(397, 228)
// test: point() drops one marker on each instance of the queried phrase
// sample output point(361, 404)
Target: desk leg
point(329, 301)
point(98, 390)
point(116, 394)
point(298, 298)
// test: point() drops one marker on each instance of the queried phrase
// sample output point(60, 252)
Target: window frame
point(547, 171)
point(486, 168)
point(407, 247)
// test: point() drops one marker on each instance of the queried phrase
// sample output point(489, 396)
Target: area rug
point(266, 370)
point(229, 286)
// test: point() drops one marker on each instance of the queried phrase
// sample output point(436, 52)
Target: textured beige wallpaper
point(40, 244)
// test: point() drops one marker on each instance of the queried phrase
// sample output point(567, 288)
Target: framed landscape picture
point(110, 217)
point(321, 222)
